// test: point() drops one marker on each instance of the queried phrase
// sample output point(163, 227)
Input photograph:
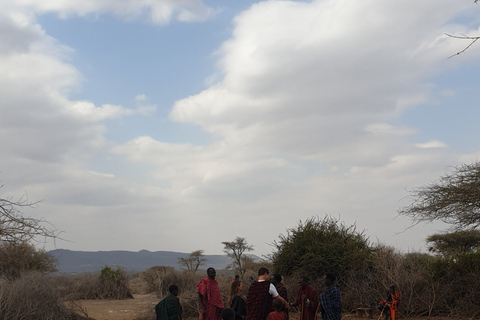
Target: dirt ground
point(130, 309)
point(127, 309)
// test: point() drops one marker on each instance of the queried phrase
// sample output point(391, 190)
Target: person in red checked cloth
point(260, 296)
point(389, 307)
point(307, 298)
point(210, 303)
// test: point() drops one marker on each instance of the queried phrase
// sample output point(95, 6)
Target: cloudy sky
point(178, 124)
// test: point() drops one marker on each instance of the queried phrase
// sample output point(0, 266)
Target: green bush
point(113, 284)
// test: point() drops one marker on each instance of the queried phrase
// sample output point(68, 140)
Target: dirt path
point(118, 309)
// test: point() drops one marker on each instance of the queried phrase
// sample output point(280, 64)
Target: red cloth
point(274, 315)
point(259, 301)
point(282, 292)
point(393, 299)
point(308, 312)
point(211, 299)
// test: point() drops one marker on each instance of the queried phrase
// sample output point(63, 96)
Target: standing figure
point(282, 291)
point(389, 307)
point(260, 297)
point(330, 300)
point(210, 302)
point(169, 308)
point(307, 298)
point(236, 301)
point(228, 314)
point(278, 313)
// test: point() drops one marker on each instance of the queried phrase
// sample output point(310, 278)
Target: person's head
point(237, 277)
point(276, 278)
point(236, 288)
point(211, 273)
point(329, 279)
point(173, 289)
point(302, 281)
point(228, 314)
point(263, 274)
point(392, 288)
point(277, 305)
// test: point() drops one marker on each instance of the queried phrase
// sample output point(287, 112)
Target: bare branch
point(14, 227)
point(463, 37)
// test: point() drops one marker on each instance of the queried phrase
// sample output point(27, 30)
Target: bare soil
point(131, 309)
point(128, 309)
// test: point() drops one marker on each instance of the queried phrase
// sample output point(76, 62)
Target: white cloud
point(159, 12)
point(431, 144)
point(301, 116)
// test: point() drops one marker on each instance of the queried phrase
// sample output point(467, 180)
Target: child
point(278, 314)
point(228, 314)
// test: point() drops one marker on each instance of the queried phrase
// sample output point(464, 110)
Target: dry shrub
point(32, 296)
point(154, 278)
point(108, 284)
point(16, 258)
point(113, 284)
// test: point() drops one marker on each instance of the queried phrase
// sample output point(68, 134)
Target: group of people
point(266, 299)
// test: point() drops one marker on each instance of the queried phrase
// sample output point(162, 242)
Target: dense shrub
point(108, 284)
point(32, 296)
point(113, 284)
point(17, 258)
point(318, 246)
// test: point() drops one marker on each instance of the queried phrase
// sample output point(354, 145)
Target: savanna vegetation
point(443, 282)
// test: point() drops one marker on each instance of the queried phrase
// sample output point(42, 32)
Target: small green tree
point(113, 284)
point(235, 250)
point(193, 261)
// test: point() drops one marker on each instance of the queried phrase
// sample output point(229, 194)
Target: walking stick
point(381, 313)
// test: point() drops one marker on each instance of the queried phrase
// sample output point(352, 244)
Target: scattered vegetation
point(445, 283)
point(193, 261)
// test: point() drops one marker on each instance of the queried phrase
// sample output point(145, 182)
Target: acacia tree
point(235, 250)
point(17, 253)
point(193, 261)
point(454, 243)
point(454, 199)
point(15, 227)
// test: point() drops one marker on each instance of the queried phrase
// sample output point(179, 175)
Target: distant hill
point(87, 261)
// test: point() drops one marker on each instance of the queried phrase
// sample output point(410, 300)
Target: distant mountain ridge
point(88, 261)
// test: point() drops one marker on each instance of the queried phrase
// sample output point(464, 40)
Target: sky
point(175, 125)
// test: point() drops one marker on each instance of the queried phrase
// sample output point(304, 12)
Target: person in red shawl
point(260, 297)
point(210, 303)
point(281, 289)
point(390, 306)
point(307, 298)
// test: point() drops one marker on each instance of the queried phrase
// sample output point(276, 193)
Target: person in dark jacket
point(169, 308)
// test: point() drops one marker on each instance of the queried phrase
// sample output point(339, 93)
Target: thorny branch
point(14, 227)
point(463, 37)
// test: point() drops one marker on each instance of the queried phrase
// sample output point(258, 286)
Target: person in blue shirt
point(330, 300)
